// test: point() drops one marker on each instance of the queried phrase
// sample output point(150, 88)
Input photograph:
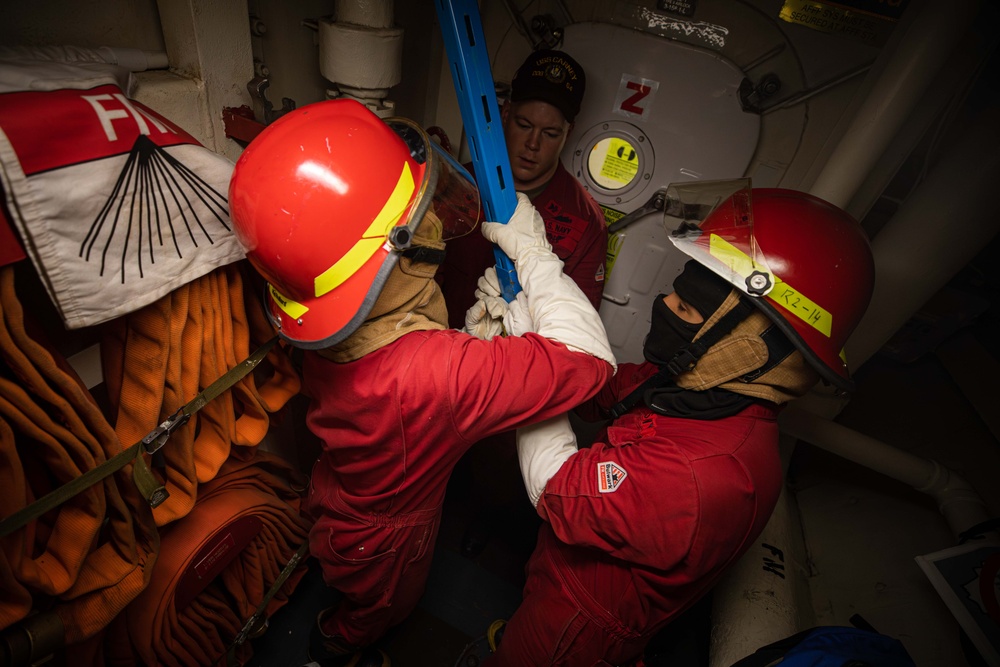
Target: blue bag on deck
point(831, 646)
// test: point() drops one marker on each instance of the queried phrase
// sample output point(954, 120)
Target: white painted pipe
point(765, 596)
point(359, 57)
point(929, 33)
point(370, 13)
point(751, 607)
point(939, 227)
point(945, 95)
point(942, 225)
point(134, 60)
point(361, 51)
point(958, 501)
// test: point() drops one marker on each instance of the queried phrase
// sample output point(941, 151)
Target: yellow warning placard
point(611, 216)
point(855, 23)
point(621, 163)
point(615, 243)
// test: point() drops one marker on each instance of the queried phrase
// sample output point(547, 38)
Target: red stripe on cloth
point(54, 129)
point(10, 247)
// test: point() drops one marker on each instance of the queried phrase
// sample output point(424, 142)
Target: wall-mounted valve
point(753, 96)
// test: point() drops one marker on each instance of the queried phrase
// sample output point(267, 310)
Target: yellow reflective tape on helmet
point(293, 309)
point(734, 258)
point(790, 298)
point(795, 302)
point(373, 237)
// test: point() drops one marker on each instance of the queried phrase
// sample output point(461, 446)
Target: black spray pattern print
point(152, 189)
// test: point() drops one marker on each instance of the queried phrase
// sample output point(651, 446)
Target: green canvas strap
point(147, 483)
point(254, 624)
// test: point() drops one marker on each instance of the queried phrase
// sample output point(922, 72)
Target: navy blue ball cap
point(553, 77)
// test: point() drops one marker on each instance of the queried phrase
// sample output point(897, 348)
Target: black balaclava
point(668, 334)
point(756, 363)
point(698, 287)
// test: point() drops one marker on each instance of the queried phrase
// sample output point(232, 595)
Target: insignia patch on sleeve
point(609, 476)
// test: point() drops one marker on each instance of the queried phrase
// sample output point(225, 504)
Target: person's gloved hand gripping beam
point(552, 305)
point(484, 319)
point(557, 308)
point(491, 316)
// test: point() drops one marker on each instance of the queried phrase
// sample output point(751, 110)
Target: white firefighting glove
point(488, 288)
point(480, 323)
point(517, 321)
point(559, 309)
point(542, 448)
point(485, 318)
point(488, 291)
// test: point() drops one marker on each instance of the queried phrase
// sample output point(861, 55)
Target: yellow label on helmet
point(782, 293)
point(737, 261)
point(807, 310)
point(293, 309)
point(373, 237)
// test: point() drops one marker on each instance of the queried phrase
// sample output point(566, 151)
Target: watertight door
point(656, 111)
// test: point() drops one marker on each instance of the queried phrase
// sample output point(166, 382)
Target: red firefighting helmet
point(325, 201)
point(804, 262)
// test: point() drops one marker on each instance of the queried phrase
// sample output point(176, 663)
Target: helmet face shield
point(327, 199)
point(447, 186)
point(456, 197)
point(712, 222)
point(804, 262)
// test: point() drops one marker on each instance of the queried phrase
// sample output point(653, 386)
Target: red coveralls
point(639, 526)
point(574, 225)
point(393, 425)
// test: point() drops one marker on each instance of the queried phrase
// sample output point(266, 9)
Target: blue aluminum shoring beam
point(462, 30)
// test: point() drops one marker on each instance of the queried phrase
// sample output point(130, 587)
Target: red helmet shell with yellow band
point(324, 200)
point(803, 261)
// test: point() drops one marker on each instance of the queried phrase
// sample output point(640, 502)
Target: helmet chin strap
point(686, 357)
point(424, 254)
point(425, 246)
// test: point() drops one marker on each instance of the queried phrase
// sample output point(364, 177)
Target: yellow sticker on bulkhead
point(621, 163)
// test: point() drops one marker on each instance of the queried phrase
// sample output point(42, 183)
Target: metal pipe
point(958, 501)
point(134, 60)
point(803, 95)
point(360, 50)
point(911, 264)
point(765, 596)
point(518, 21)
point(901, 78)
point(940, 226)
point(936, 113)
